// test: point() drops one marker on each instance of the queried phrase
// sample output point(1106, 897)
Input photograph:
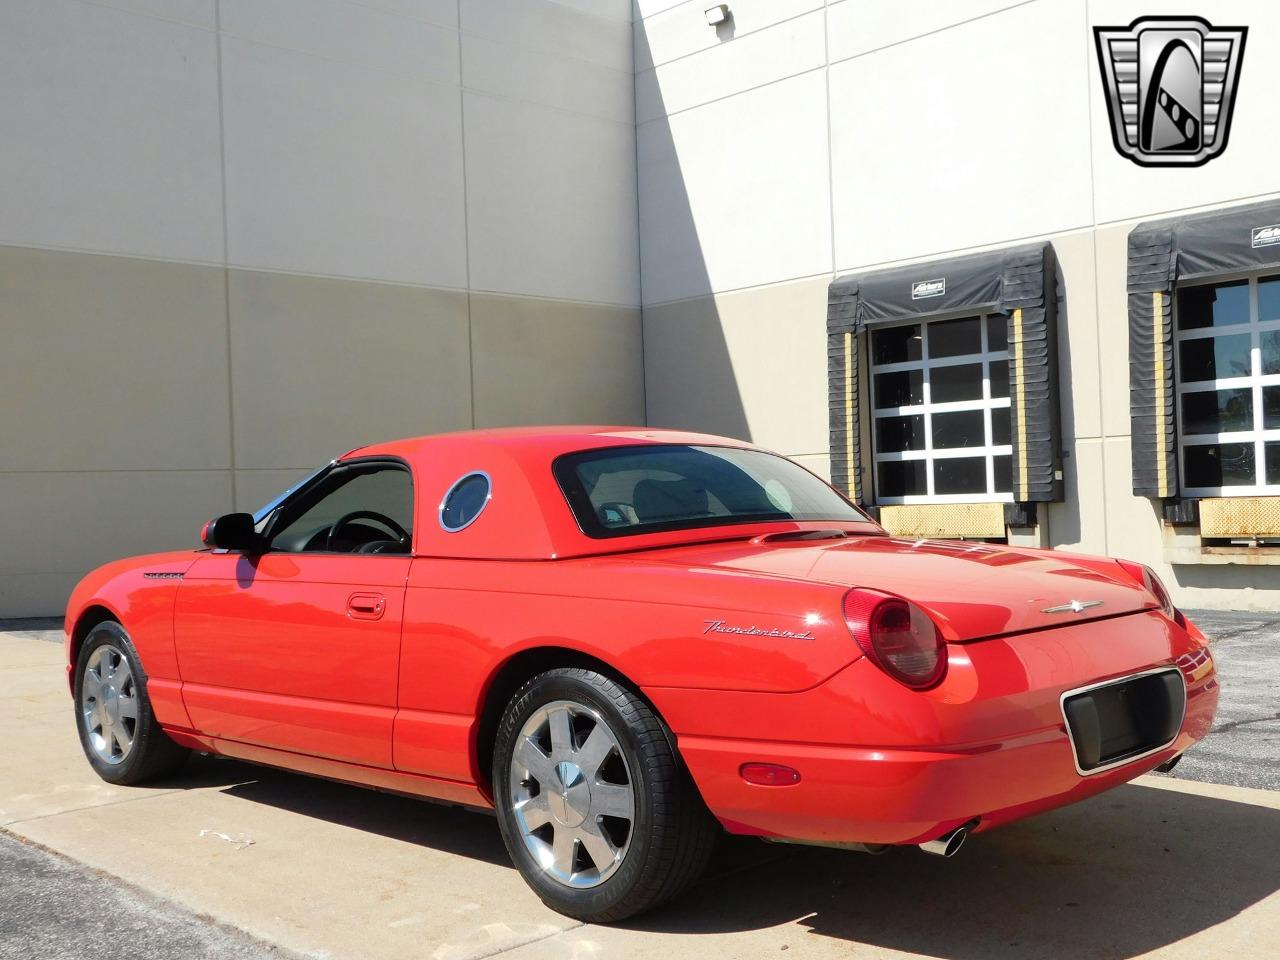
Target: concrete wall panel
point(320, 366)
point(110, 127)
point(342, 169)
point(550, 207)
point(544, 362)
point(111, 363)
point(734, 194)
point(983, 147)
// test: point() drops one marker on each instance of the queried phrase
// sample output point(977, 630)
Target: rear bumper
point(990, 742)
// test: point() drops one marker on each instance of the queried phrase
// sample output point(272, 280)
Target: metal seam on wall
point(848, 415)
point(1020, 370)
point(1157, 320)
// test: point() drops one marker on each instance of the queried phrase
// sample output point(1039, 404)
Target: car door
point(298, 648)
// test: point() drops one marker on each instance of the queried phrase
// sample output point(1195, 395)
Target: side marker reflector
point(769, 774)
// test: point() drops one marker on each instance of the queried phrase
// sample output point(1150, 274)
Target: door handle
point(366, 606)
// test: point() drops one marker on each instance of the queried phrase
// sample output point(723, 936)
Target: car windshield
point(628, 490)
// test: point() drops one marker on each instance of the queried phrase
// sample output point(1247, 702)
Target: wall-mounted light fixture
point(718, 14)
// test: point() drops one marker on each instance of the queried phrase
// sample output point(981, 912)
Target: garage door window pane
point(896, 434)
point(1000, 427)
point(960, 382)
point(896, 344)
point(902, 478)
point(997, 333)
point(1220, 465)
point(1221, 305)
point(1216, 358)
point(902, 389)
point(1271, 408)
point(1273, 462)
point(964, 428)
point(955, 338)
point(1269, 299)
point(960, 475)
point(1270, 342)
point(1217, 411)
point(999, 378)
point(1004, 473)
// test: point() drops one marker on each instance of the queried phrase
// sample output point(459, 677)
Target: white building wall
point(811, 139)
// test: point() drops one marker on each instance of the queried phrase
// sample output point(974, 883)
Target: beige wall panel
point(111, 363)
point(551, 207)
point(734, 193)
point(555, 27)
point(539, 361)
point(974, 95)
point(860, 26)
point(751, 364)
point(683, 29)
point(110, 126)
point(757, 58)
point(320, 365)
point(72, 522)
point(36, 594)
point(1079, 523)
point(355, 33)
point(1113, 327)
point(511, 70)
point(341, 168)
point(1078, 338)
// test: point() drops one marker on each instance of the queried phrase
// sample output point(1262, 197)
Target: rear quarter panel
point(465, 619)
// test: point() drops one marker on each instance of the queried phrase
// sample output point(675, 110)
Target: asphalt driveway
point(230, 860)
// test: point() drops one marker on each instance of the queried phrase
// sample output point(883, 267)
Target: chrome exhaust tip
point(947, 845)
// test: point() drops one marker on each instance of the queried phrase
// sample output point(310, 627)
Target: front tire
point(118, 730)
point(596, 811)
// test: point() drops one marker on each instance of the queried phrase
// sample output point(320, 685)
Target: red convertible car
point(624, 640)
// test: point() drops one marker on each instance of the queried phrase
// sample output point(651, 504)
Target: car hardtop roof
point(545, 442)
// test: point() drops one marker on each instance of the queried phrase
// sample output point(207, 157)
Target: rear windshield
point(628, 490)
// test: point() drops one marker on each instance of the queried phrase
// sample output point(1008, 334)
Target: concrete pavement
point(1166, 867)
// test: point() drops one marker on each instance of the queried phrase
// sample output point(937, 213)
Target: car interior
point(354, 508)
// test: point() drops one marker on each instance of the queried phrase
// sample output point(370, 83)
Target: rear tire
point(118, 730)
point(596, 810)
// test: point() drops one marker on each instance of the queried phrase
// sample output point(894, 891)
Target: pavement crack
point(88, 806)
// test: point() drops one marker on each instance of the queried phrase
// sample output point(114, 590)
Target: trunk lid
point(972, 590)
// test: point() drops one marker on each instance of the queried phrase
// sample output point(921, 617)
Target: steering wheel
point(397, 531)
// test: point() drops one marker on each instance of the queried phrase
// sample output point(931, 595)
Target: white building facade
point(238, 237)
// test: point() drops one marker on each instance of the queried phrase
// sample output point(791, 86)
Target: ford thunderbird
point(624, 641)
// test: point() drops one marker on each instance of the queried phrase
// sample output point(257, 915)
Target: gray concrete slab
point(1244, 748)
point(52, 908)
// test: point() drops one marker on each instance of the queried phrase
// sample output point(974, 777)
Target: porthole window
point(465, 501)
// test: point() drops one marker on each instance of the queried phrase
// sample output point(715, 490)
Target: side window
point(361, 508)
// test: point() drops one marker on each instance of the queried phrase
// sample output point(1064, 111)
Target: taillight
point(897, 636)
point(1147, 578)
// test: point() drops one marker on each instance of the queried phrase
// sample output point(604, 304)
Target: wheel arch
point(88, 618)
point(518, 669)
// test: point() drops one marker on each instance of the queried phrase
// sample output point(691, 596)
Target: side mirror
point(232, 531)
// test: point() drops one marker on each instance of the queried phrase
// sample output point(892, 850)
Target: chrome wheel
point(572, 794)
point(109, 704)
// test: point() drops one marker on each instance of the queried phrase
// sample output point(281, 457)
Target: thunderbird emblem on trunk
point(1170, 85)
point(1075, 606)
